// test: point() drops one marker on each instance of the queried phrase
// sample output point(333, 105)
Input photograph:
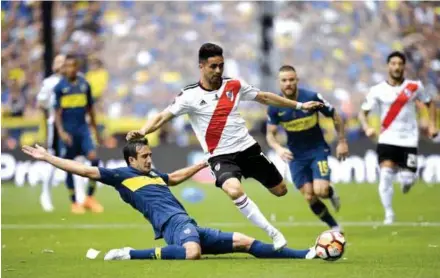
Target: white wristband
point(299, 105)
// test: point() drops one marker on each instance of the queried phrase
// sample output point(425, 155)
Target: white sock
point(47, 183)
point(249, 209)
point(386, 189)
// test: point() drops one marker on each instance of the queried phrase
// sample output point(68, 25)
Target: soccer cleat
point(311, 254)
point(92, 204)
point(46, 202)
point(406, 187)
point(77, 209)
point(118, 254)
point(389, 219)
point(335, 200)
point(279, 241)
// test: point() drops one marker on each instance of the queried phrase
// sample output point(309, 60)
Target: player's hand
point(134, 134)
point(38, 152)
point(285, 154)
point(432, 131)
point(342, 150)
point(370, 132)
point(312, 105)
point(66, 138)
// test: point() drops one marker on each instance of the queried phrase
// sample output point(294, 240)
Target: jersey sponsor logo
point(395, 108)
point(203, 102)
point(220, 115)
point(73, 101)
point(301, 124)
point(136, 183)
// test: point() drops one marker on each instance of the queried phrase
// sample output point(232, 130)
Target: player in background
point(307, 152)
point(211, 105)
point(73, 101)
point(399, 134)
point(46, 100)
point(147, 191)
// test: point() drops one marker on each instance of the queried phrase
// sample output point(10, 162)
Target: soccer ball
point(330, 245)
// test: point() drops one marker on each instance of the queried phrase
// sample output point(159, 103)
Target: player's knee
point(279, 190)
point(233, 188)
point(242, 242)
point(193, 252)
point(321, 190)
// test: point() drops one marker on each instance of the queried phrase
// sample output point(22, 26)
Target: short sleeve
point(370, 101)
point(57, 91)
point(180, 105)
point(89, 95)
point(248, 92)
point(110, 176)
point(272, 116)
point(327, 110)
point(165, 177)
point(422, 94)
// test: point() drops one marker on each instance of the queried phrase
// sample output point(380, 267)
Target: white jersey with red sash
point(398, 112)
point(214, 115)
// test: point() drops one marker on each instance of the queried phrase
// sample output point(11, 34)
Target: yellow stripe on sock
point(158, 253)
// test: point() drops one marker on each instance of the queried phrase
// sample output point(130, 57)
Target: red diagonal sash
point(221, 113)
point(403, 97)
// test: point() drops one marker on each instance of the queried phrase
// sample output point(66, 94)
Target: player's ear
point(131, 160)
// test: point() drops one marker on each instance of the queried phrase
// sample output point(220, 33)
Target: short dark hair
point(71, 57)
point(130, 148)
point(287, 68)
point(396, 54)
point(208, 50)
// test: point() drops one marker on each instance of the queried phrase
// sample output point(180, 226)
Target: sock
point(92, 184)
point(386, 189)
point(249, 209)
point(170, 252)
point(71, 187)
point(321, 211)
point(330, 191)
point(47, 183)
point(262, 250)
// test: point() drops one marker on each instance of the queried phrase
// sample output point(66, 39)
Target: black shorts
point(250, 163)
point(404, 157)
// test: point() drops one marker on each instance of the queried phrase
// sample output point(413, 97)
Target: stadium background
point(137, 56)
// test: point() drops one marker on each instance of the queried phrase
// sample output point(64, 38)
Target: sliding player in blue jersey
point(73, 101)
point(147, 191)
point(306, 151)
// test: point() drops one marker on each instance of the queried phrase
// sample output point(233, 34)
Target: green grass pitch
point(411, 248)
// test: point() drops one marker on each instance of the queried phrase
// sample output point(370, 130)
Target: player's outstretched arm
point(67, 165)
point(275, 100)
point(182, 175)
point(153, 124)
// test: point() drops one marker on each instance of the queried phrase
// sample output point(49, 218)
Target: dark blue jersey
point(304, 136)
point(74, 99)
point(147, 193)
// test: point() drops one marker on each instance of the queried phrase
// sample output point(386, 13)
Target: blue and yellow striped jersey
point(304, 136)
point(74, 99)
point(147, 193)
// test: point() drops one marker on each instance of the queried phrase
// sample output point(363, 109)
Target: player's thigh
point(69, 151)
point(87, 145)
point(321, 175)
point(255, 164)
point(308, 192)
point(224, 168)
point(214, 241)
point(301, 173)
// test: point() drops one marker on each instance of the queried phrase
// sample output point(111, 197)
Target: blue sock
point(170, 252)
point(321, 211)
point(265, 251)
point(92, 184)
point(71, 187)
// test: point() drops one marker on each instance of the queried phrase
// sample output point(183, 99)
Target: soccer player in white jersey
point(46, 100)
point(212, 105)
point(399, 135)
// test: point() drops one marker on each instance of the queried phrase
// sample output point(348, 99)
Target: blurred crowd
point(139, 54)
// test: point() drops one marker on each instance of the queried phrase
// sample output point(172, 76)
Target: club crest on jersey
point(407, 92)
point(65, 90)
point(217, 167)
point(230, 95)
point(83, 88)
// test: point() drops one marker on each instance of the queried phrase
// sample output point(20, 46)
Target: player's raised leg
point(233, 188)
point(406, 179)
